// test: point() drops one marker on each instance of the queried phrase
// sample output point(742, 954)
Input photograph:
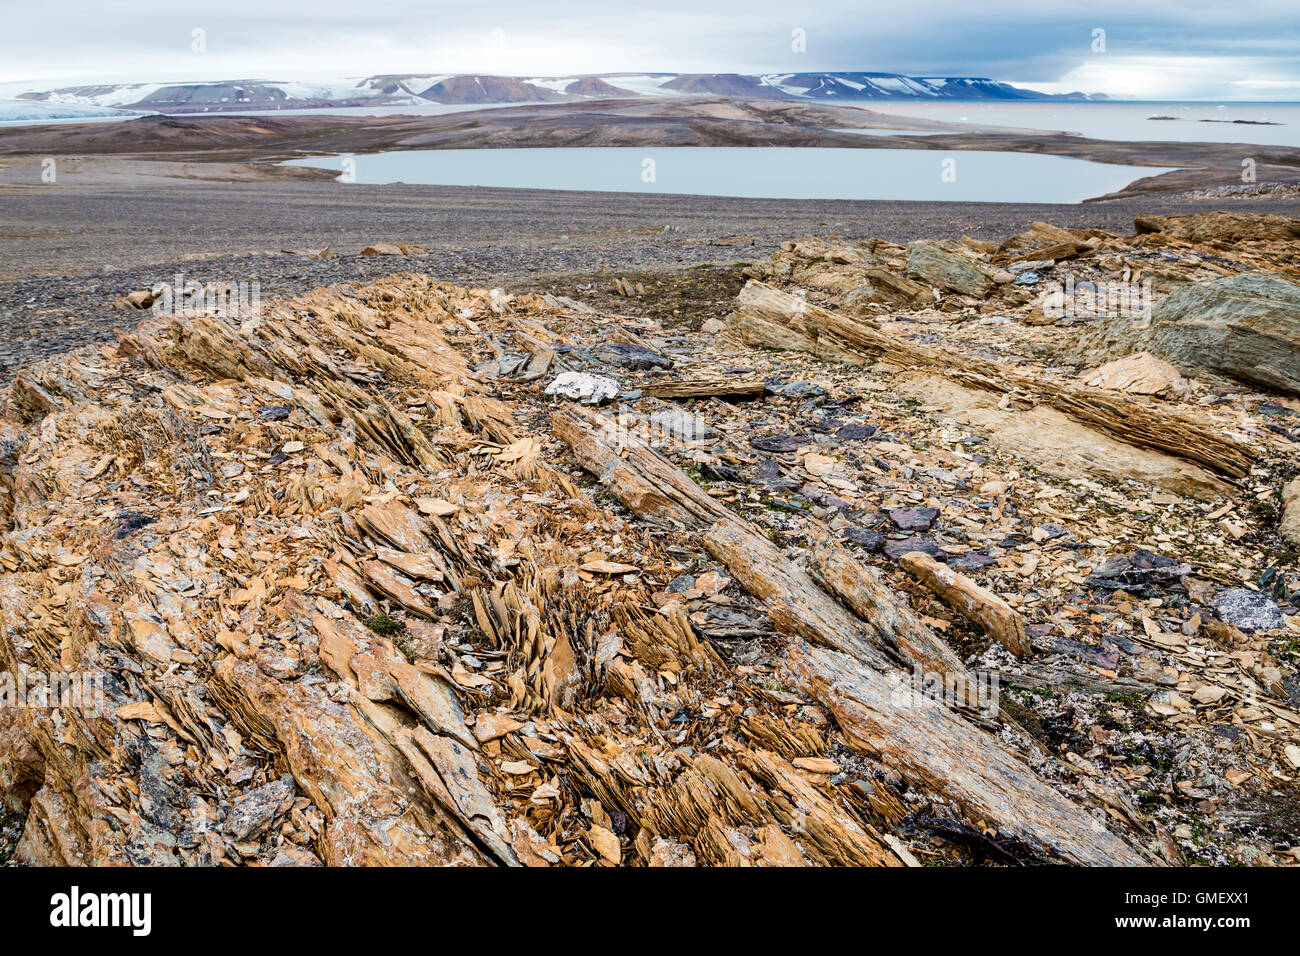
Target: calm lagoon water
point(1188, 122)
point(753, 172)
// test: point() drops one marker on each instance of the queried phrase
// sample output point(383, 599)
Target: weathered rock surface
point(1141, 374)
point(949, 265)
point(1219, 226)
point(884, 287)
point(350, 597)
point(1056, 443)
point(1248, 610)
point(1244, 326)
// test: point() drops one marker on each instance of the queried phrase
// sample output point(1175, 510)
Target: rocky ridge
point(357, 591)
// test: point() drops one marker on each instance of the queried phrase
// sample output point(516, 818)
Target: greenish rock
point(1244, 326)
point(884, 288)
point(948, 265)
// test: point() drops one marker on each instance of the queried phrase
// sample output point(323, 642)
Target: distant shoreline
point(435, 109)
point(242, 148)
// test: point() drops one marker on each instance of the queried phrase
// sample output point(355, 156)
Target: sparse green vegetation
point(384, 625)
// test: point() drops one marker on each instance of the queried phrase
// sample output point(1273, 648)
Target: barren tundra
point(869, 562)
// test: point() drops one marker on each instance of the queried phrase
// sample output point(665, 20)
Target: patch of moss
point(385, 626)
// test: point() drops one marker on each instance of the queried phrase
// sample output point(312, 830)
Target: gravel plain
point(67, 251)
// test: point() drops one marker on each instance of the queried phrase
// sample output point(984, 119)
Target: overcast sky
point(1153, 48)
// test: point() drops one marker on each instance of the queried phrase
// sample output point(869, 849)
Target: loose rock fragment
point(585, 388)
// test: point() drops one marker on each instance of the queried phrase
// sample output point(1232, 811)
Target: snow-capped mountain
point(466, 89)
point(876, 86)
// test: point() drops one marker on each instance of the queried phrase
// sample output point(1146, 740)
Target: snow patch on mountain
point(423, 89)
point(27, 111)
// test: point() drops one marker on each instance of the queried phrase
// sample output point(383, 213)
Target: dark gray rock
point(971, 561)
point(251, 812)
point(1106, 656)
point(158, 796)
point(780, 443)
point(913, 519)
point(855, 431)
point(866, 538)
point(769, 473)
point(803, 390)
point(1143, 573)
point(896, 548)
point(632, 357)
point(132, 521)
point(1248, 610)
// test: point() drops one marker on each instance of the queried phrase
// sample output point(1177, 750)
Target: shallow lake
point(777, 172)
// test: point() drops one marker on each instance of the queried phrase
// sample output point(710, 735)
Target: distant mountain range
point(465, 89)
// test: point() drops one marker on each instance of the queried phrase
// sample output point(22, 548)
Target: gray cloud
point(1211, 48)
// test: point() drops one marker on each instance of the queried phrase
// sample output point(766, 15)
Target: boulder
point(1141, 374)
point(885, 288)
point(948, 265)
point(1248, 610)
point(392, 249)
point(1244, 326)
point(1229, 227)
point(381, 249)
